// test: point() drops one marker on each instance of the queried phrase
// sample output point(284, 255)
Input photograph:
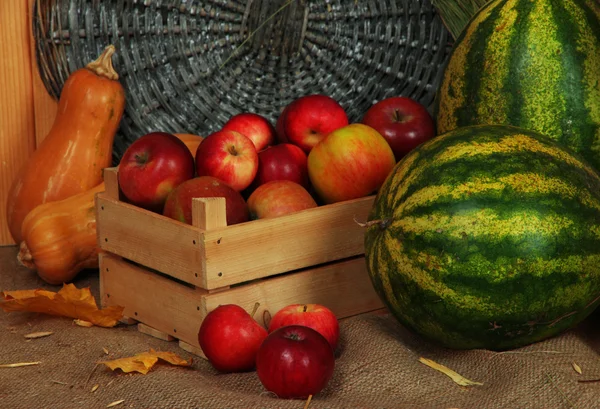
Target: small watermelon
point(487, 236)
point(531, 64)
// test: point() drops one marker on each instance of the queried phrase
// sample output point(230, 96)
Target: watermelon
point(487, 236)
point(531, 64)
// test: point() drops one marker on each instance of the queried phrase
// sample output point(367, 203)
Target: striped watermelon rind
point(487, 237)
point(532, 64)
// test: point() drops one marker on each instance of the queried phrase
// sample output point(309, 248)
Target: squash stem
point(103, 65)
point(382, 223)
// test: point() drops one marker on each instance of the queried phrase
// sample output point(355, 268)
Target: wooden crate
point(168, 275)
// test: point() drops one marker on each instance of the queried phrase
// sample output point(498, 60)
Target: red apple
point(351, 162)
point(191, 141)
point(253, 126)
point(229, 156)
point(279, 131)
point(403, 122)
point(318, 317)
point(282, 162)
point(152, 166)
point(310, 118)
point(178, 205)
point(230, 338)
point(277, 198)
point(294, 362)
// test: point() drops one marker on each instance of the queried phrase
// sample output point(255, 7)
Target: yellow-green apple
point(277, 198)
point(403, 122)
point(282, 162)
point(316, 316)
point(152, 166)
point(229, 156)
point(253, 126)
point(294, 362)
point(230, 338)
point(349, 163)
point(310, 118)
point(178, 205)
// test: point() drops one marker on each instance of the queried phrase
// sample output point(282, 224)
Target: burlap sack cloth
point(378, 367)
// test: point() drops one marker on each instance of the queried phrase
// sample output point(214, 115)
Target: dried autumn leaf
point(144, 361)
point(459, 379)
point(70, 301)
point(35, 335)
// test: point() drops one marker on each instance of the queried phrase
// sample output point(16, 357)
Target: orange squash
point(191, 141)
point(59, 238)
point(79, 145)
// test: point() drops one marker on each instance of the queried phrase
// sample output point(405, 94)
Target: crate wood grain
point(169, 275)
point(211, 254)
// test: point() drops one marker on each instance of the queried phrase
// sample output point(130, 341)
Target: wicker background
point(188, 66)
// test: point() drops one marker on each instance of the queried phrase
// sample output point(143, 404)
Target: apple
point(349, 163)
point(294, 362)
point(402, 121)
point(152, 166)
point(310, 118)
point(253, 126)
point(282, 162)
point(230, 338)
point(277, 198)
point(318, 317)
point(191, 141)
point(229, 156)
point(178, 205)
point(279, 131)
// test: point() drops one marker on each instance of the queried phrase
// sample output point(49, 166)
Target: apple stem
point(305, 308)
point(256, 305)
point(382, 223)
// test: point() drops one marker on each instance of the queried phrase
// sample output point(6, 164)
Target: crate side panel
point(156, 301)
point(262, 248)
point(149, 239)
point(344, 287)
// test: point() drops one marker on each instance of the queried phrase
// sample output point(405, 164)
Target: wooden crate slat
point(261, 248)
point(161, 303)
point(344, 287)
point(148, 238)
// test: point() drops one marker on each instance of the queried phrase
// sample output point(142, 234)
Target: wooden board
point(26, 109)
point(177, 310)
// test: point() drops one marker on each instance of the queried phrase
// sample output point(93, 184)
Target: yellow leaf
point(115, 403)
point(459, 379)
point(577, 368)
point(68, 302)
point(83, 323)
point(144, 361)
point(35, 335)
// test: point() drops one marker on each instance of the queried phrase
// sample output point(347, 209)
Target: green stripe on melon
point(532, 64)
point(487, 237)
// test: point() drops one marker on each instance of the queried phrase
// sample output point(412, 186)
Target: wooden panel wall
point(26, 109)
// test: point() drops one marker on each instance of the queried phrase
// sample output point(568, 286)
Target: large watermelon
point(487, 237)
point(532, 64)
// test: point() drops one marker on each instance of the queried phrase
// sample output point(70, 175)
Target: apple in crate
point(403, 122)
point(178, 205)
point(152, 166)
point(253, 126)
point(294, 362)
point(230, 338)
point(282, 162)
point(349, 163)
point(228, 156)
point(277, 198)
point(310, 118)
point(315, 316)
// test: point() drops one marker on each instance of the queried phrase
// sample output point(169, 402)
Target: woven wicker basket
point(188, 65)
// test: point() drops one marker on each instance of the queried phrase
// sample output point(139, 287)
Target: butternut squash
point(59, 238)
point(79, 145)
